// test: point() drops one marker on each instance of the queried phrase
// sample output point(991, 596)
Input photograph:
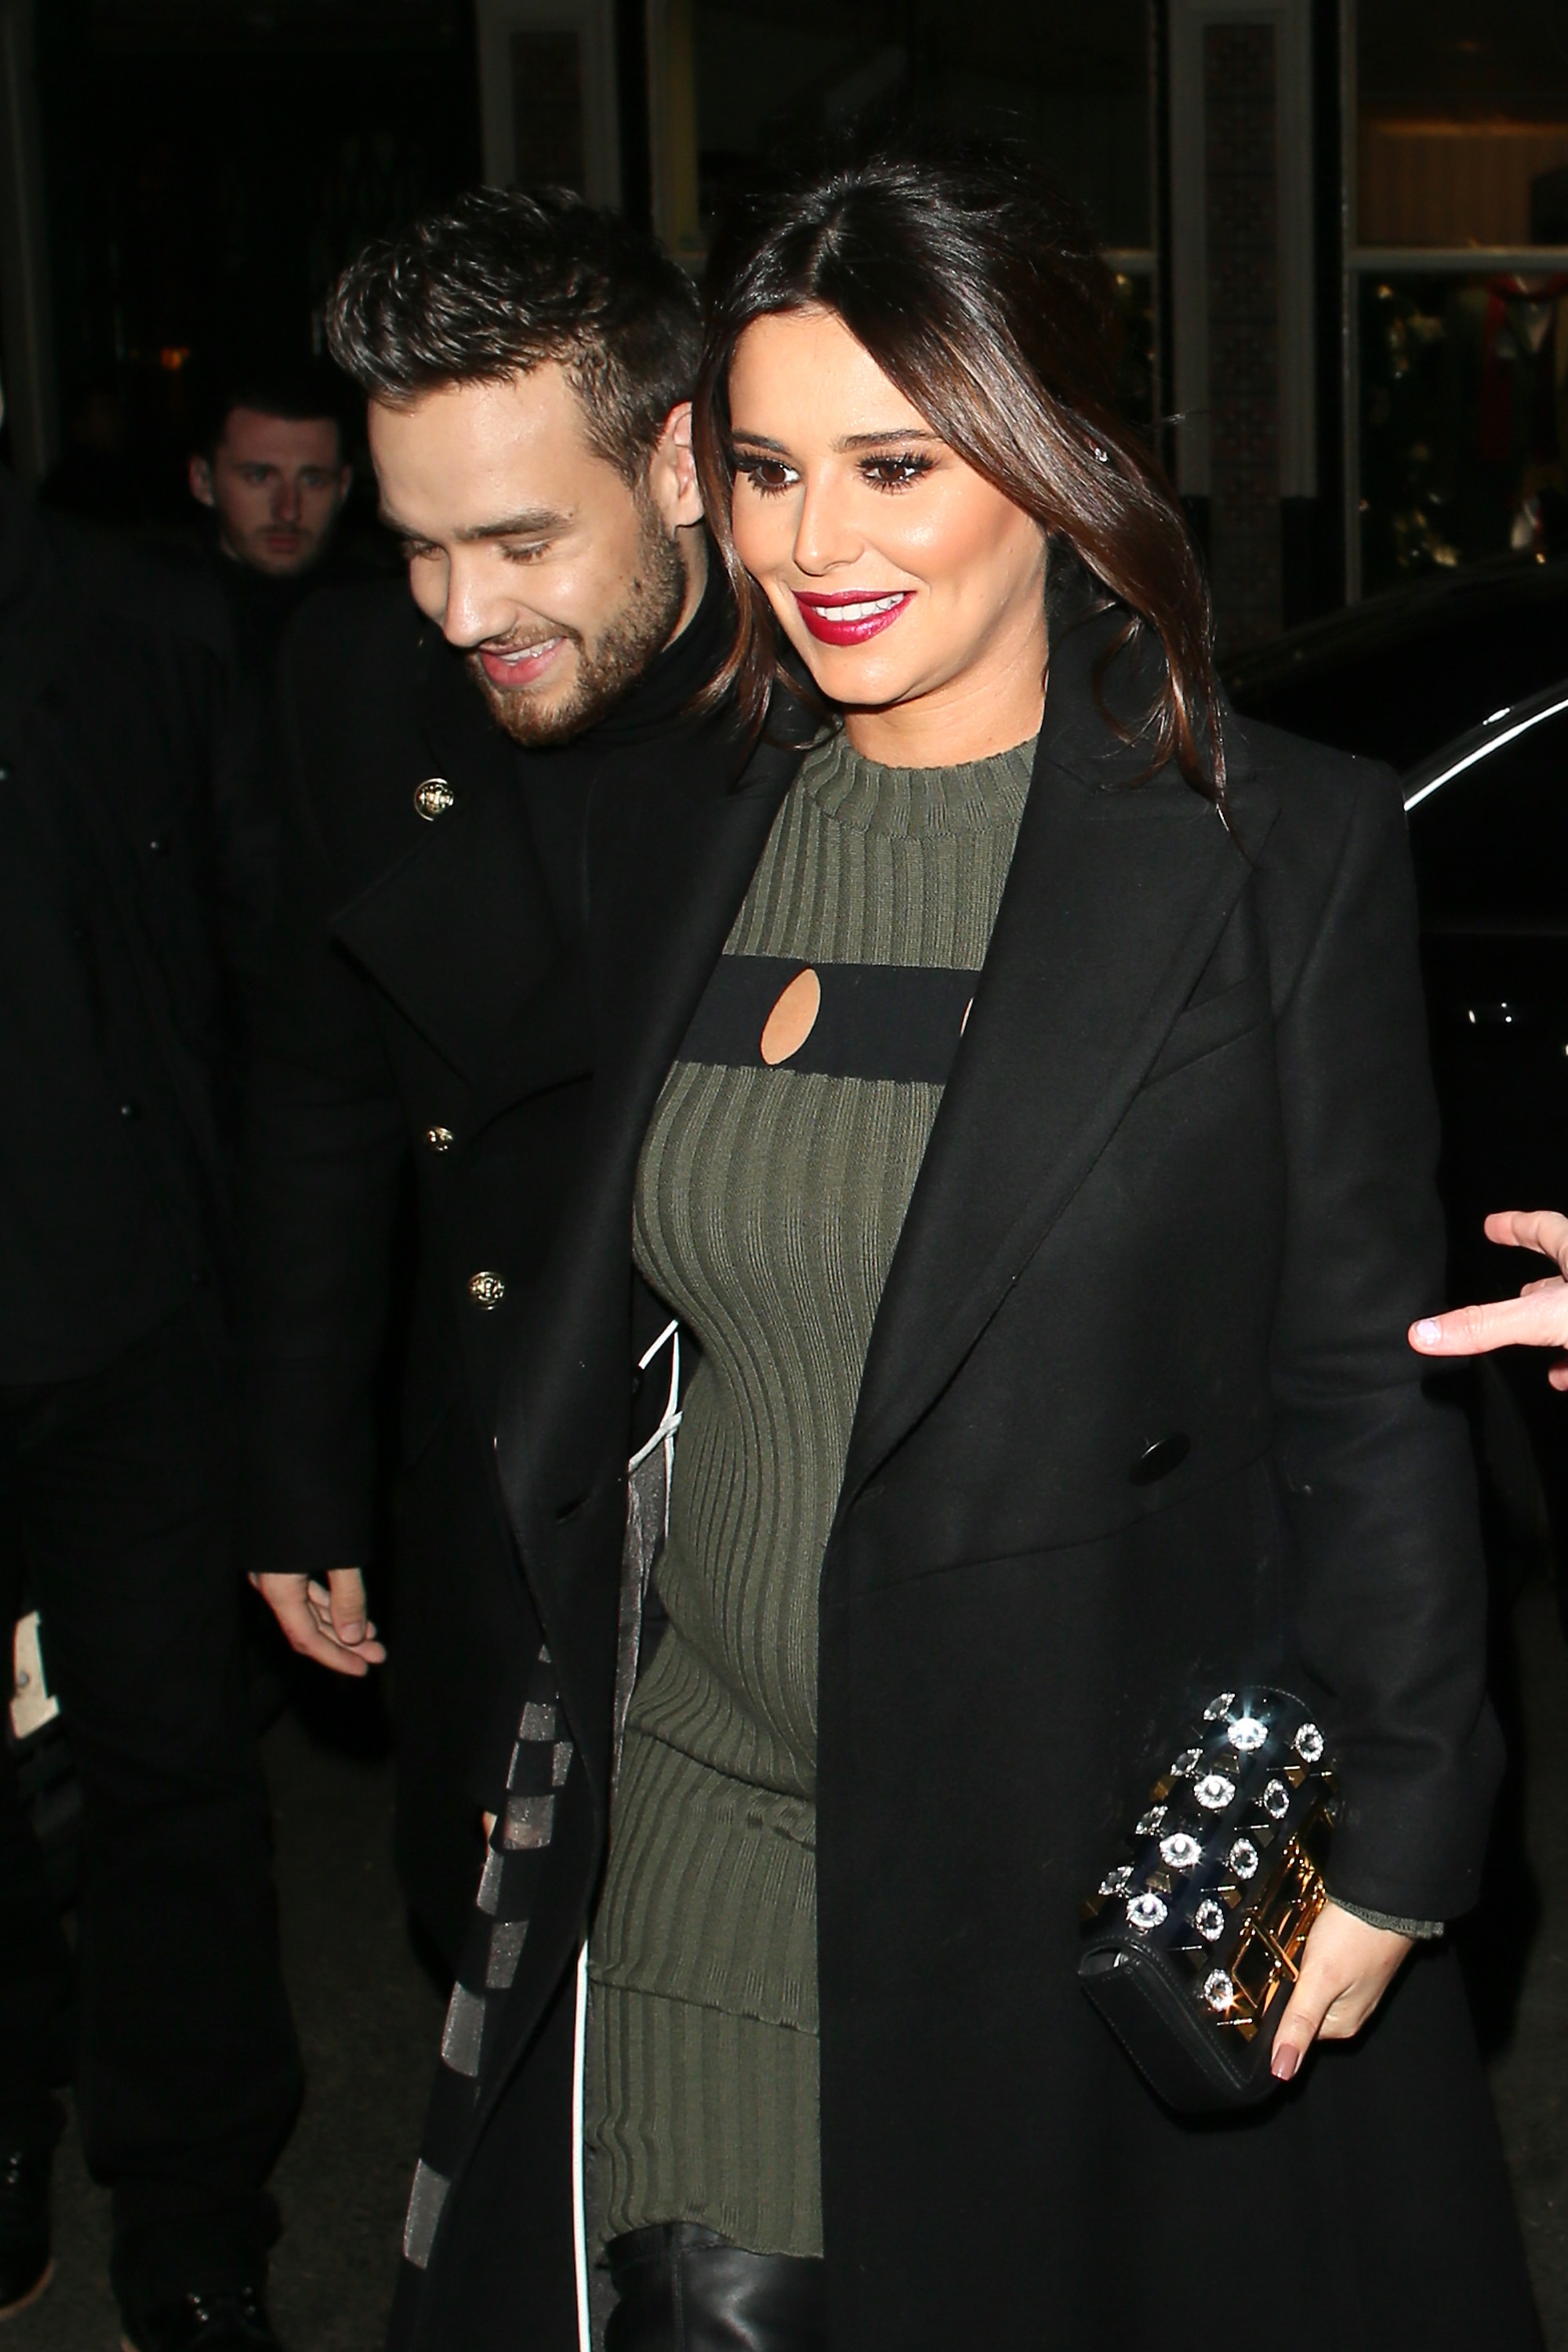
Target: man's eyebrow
point(532, 519)
point(738, 432)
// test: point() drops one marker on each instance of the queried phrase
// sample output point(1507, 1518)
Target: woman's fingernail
point(351, 1633)
point(1286, 2060)
point(1428, 1332)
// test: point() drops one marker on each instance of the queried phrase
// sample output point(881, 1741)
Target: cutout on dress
point(793, 1018)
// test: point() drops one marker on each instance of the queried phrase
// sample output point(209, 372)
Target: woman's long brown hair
point(977, 289)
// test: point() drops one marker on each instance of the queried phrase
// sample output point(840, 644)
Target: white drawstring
point(579, 2200)
point(664, 1436)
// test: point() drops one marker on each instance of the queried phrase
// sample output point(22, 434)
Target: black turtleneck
point(556, 783)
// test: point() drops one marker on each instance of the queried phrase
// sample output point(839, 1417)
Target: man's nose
point(286, 499)
point(475, 609)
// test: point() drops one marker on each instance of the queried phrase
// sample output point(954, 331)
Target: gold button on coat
point(486, 1290)
point(439, 1139)
point(434, 797)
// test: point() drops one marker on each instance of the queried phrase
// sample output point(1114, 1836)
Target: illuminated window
point(1457, 189)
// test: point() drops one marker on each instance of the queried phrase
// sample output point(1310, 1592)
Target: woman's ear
point(672, 471)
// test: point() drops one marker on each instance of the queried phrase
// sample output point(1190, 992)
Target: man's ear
point(672, 471)
point(201, 481)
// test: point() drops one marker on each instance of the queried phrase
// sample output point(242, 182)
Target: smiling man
point(527, 363)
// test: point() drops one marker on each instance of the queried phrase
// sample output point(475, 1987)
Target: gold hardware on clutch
point(1268, 1957)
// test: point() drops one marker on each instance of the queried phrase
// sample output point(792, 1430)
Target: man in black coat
point(129, 901)
point(527, 362)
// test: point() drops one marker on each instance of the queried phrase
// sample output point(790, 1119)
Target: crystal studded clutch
point(1193, 1941)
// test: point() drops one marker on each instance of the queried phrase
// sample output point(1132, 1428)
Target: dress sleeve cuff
point(1421, 1931)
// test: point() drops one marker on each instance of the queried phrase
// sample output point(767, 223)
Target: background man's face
point(277, 485)
point(559, 580)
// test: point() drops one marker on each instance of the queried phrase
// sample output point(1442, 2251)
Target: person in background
point(1538, 1318)
point(125, 910)
point(528, 362)
point(96, 477)
point(272, 470)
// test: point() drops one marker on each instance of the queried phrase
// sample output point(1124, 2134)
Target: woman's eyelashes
point(770, 478)
point(899, 471)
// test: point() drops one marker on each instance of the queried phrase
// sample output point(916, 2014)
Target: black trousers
point(116, 1492)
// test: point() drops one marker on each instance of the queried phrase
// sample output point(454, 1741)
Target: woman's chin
point(855, 678)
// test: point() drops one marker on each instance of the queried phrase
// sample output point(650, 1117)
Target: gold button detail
point(793, 1018)
point(439, 1139)
point(434, 797)
point(486, 1290)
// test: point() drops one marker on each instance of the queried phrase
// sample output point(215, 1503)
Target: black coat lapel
point(1117, 896)
point(674, 864)
point(458, 931)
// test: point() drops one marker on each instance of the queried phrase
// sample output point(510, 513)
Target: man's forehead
point(252, 434)
point(491, 458)
point(532, 415)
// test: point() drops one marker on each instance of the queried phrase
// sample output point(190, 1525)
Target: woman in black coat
point(1027, 1123)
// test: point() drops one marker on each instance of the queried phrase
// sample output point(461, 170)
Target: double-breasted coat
point(420, 1028)
point(1181, 1183)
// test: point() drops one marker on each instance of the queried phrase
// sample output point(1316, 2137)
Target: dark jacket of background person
point(424, 1005)
point(131, 897)
point(1181, 1183)
point(130, 891)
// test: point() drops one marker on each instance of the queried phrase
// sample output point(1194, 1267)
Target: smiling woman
point(999, 1150)
point(962, 329)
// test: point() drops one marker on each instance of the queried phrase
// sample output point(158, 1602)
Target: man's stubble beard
point(633, 640)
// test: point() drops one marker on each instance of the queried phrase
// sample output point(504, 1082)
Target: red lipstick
point(850, 615)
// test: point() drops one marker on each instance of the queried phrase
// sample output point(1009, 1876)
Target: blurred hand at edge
point(1538, 1318)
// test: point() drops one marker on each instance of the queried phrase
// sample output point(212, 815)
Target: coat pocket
point(1203, 1028)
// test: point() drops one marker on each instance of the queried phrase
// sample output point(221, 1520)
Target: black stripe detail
point(877, 1020)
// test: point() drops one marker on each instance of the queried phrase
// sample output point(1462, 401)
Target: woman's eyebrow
point(738, 432)
point(880, 440)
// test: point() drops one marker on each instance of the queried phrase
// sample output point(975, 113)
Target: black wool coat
point(1181, 1182)
point(422, 1026)
point(132, 896)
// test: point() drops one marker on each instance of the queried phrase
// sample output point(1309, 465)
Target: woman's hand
point(1346, 1968)
point(1538, 1318)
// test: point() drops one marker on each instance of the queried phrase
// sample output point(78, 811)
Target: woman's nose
point(824, 534)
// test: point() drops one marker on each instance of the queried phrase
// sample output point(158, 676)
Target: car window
point(1491, 844)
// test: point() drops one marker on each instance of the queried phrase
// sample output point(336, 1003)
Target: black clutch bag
point(1193, 1941)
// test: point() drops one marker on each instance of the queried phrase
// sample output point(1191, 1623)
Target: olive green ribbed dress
point(769, 1201)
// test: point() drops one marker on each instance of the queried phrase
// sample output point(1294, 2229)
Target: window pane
point(1464, 122)
point(1073, 82)
point(1464, 421)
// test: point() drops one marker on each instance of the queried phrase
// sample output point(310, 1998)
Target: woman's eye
point(767, 476)
point(895, 473)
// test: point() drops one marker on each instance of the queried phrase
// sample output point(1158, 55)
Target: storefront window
point(1458, 182)
point(741, 86)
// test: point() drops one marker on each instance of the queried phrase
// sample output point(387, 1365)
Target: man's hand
point(325, 1622)
point(1538, 1318)
point(1346, 1968)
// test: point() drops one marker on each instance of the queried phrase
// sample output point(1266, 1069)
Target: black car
point(1463, 683)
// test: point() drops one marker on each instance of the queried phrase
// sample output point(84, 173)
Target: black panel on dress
point(876, 1019)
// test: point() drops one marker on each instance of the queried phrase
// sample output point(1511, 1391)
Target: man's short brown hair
point(505, 279)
